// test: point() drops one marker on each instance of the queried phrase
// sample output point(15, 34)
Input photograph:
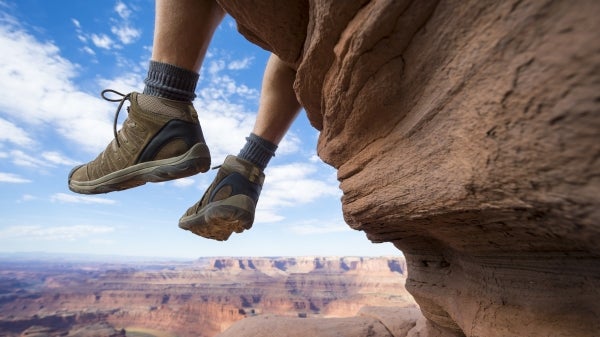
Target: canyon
point(201, 298)
point(464, 132)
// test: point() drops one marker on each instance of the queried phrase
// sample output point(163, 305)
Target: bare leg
point(183, 31)
point(278, 104)
point(230, 202)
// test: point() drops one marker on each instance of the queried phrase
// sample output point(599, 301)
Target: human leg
point(161, 138)
point(183, 30)
point(278, 105)
point(229, 203)
point(278, 108)
point(182, 33)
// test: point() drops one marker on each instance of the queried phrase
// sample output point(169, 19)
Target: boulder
point(468, 134)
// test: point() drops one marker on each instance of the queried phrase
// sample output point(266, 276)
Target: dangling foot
point(160, 140)
point(229, 203)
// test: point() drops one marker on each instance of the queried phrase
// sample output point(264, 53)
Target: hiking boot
point(164, 144)
point(229, 203)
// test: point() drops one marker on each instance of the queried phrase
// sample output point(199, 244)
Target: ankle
point(171, 82)
point(258, 151)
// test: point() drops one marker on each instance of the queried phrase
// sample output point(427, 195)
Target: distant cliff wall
point(199, 298)
point(468, 134)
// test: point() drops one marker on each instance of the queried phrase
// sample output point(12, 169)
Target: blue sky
point(56, 57)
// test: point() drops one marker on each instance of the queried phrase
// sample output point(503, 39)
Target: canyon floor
point(66, 296)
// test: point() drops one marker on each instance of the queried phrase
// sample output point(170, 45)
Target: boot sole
point(195, 160)
point(219, 219)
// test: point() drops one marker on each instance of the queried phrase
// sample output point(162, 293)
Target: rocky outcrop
point(370, 321)
point(200, 298)
point(276, 326)
point(466, 133)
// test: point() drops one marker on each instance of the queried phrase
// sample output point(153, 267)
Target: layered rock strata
point(468, 134)
point(198, 299)
point(370, 321)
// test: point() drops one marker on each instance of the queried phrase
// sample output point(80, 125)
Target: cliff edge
point(466, 133)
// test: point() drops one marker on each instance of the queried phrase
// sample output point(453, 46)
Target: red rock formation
point(197, 299)
point(276, 326)
point(466, 133)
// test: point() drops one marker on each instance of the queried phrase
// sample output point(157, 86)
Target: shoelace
point(121, 102)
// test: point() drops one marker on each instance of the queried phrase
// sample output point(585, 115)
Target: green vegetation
point(143, 332)
point(139, 334)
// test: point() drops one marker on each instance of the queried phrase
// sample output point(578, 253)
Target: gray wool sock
point(258, 151)
point(171, 82)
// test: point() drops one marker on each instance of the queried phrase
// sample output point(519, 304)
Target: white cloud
point(56, 158)
point(103, 242)
point(14, 134)
point(102, 41)
point(215, 66)
point(12, 178)
point(289, 186)
point(183, 182)
point(240, 64)
point(122, 30)
point(125, 83)
point(80, 35)
point(222, 109)
point(122, 9)
point(230, 23)
point(20, 158)
point(126, 34)
point(266, 215)
point(80, 199)
point(291, 143)
point(224, 87)
point(88, 50)
point(224, 130)
point(47, 159)
point(27, 197)
point(246, 92)
point(314, 227)
point(52, 101)
point(60, 233)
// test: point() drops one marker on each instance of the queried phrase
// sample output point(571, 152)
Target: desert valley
point(67, 297)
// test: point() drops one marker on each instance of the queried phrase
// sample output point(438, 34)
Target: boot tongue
point(162, 106)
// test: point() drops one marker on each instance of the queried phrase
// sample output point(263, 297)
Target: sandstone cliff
point(468, 134)
point(195, 299)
